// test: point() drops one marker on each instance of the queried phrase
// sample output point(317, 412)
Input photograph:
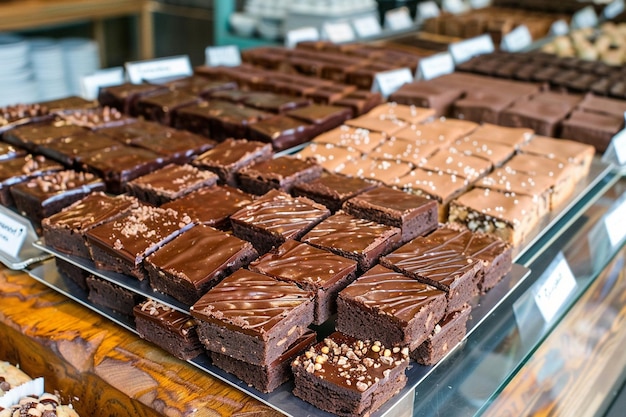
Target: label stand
point(17, 236)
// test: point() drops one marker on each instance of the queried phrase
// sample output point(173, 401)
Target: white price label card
point(367, 26)
point(426, 10)
point(517, 39)
point(479, 4)
point(388, 82)
point(554, 287)
point(304, 34)
point(619, 145)
point(90, 84)
point(615, 223)
point(585, 18)
point(465, 50)
point(613, 9)
point(435, 66)
point(398, 19)
point(227, 55)
point(12, 235)
point(559, 28)
point(170, 67)
point(454, 6)
point(338, 32)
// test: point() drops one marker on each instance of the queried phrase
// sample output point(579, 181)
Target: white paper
point(554, 287)
point(388, 82)
point(367, 26)
point(585, 18)
point(619, 146)
point(435, 66)
point(615, 222)
point(398, 19)
point(295, 36)
point(559, 28)
point(170, 67)
point(12, 235)
point(517, 39)
point(90, 84)
point(464, 50)
point(455, 6)
point(338, 32)
point(228, 56)
point(426, 10)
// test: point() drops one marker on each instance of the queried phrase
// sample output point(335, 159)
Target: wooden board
point(102, 369)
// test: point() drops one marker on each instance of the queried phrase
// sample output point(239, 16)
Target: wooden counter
point(102, 369)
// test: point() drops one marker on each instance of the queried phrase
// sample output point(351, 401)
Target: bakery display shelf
point(282, 399)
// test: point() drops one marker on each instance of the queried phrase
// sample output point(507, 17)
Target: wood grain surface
point(101, 368)
point(575, 369)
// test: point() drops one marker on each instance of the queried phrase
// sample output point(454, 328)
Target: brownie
point(322, 117)
point(31, 136)
point(69, 150)
point(345, 136)
point(272, 102)
point(20, 113)
point(332, 190)
point(211, 206)
point(95, 118)
point(438, 186)
point(65, 230)
point(231, 155)
point(280, 173)
point(195, 261)
point(496, 153)
point(407, 113)
point(483, 105)
point(121, 245)
point(412, 214)
point(265, 378)
point(427, 94)
point(127, 133)
point(169, 183)
point(20, 169)
point(117, 166)
point(8, 151)
point(443, 265)
point(68, 103)
point(174, 145)
point(510, 217)
point(282, 132)
point(76, 274)
point(446, 335)
point(170, 329)
point(349, 377)
point(318, 271)
point(107, 294)
point(124, 97)
point(276, 217)
point(46, 195)
point(495, 254)
point(592, 128)
point(576, 154)
point(354, 238)
point(161, 107)
point(360, 101)
point(252, 310)
point(386, 305)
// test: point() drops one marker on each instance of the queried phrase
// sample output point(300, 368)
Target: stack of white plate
point(81, 58)
point(17, 80)
point(49, 68)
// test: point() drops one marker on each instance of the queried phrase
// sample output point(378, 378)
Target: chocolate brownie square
point(96, 118)
point(161, 107)
point(169, 183)
point(316, 270)
point(124, 97)
point(412, 214)
point(446, 335)
point(72, 272)
point(282, 132)
point(65, 230)
point(8, 151)
point(272, 102)
point(31, 136)
point(195, 261)
point(199, 85)
point(69, 150)
point(231, 155)
point(252, 310)
point(276, 217)
point(354, 238)
point(427, 94)
point(332, 190)
point(171, 330)
point(117, 166)
point(121, 245)
point(20, 169)
point(349, 377)
point(280, 173)
point(174, 145)
point(391, 307)
point(594, 129)
point(323, 117)
point(46, 195)
point(107, 294)
point(211, 206)
point(443, 265)
point(265, 378)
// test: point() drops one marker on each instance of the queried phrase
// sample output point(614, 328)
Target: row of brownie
point(508, 178)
